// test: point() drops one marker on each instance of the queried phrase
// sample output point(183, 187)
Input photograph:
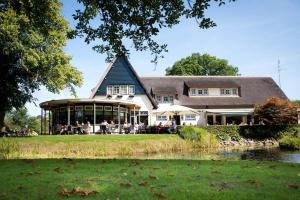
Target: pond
point(260, 154)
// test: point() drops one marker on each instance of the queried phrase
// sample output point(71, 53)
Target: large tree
point(199, 65)
point(113, 26)
point(32, 36)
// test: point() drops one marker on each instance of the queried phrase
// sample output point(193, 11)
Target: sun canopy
point(175, 110)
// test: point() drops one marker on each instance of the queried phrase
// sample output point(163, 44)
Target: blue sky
point(251, 35)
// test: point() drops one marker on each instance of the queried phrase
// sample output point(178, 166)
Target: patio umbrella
point(175, 110)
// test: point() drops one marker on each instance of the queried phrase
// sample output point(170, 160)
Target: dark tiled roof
point(253, 90)
point(210, 82)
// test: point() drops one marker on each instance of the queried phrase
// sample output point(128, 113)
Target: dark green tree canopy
point(201, 65)
point(32, 36)
point(114, 25)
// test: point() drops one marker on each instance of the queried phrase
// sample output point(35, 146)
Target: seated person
point(159, 127)
point(103, 126)
point(78, 128)
point(172, 128)
point(87, 128)
point(126, 127)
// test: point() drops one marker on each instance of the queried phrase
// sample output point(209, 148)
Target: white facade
point(142, 100)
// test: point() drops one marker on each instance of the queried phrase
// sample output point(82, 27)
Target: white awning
point(237, 111)
point(174, 110)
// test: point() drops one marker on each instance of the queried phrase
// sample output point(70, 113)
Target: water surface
point(260, 154)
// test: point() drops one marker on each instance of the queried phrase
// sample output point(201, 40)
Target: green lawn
point(148, 179)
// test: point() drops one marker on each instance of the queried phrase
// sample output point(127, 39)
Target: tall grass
point(289, 142)
point(199, 137)
point(9, 148)
point(106, 148)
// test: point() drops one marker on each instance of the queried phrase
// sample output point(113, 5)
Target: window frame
point(161, 118)
point(190, 117)
point(131, 87)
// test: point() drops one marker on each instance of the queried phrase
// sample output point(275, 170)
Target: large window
point(229, 91)
point(88, 114)
point(120, 89)
point(190, 117)
point(161, 118)
point(99, 114)
point(110, 89)
point(198, 92)
point(165, 99)
point(131, 89)
point(116, 89)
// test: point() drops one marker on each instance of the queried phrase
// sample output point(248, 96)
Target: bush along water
point(224, 133)
point(199, 136)
point(290, 139)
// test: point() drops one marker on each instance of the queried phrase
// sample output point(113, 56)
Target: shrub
point(224, 133)
point(200, 136)
point(267, 131)
point(277, 111)
point(289, 142)
point(8, 148)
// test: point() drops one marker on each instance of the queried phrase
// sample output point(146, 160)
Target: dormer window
point(164, 99)
point(120, 89)
point(229, 92)
point(199, 92)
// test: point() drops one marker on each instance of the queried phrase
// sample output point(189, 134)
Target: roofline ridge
point(176, 76)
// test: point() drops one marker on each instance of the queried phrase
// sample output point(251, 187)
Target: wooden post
point(45, 121)
point(68, 115)
point(139, 121)
point(214, 119)
point(244, 119)
point(134, 119)
point(119, 119)
point(49, 120)
point(223, 119)
point(94, 118)
point(42, 121)
point(129, 116)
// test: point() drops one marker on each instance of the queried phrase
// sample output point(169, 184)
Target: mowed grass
point(93, 146)
point(148, 179)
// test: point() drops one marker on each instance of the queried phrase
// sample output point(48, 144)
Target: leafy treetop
point(199, 65)
point(32, 36)
point(113, 24)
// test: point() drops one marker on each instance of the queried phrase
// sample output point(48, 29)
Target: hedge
point(253, 132)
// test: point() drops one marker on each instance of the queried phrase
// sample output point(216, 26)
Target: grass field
point(92, 146)
point(148, 179)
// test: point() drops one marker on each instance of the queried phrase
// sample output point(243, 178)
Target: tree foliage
point(296, 103)
point(114, 25)
point(32, 36)
point(200, 65)
point(19, 118)
point(276, 111)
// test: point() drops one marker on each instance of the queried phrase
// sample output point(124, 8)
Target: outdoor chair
point(142, 129)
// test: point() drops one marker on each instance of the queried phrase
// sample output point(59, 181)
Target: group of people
point(25, 131)
point(111, 127)
point(77, 128)
point(170, 127)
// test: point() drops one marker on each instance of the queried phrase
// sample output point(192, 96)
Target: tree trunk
point(2, 115)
